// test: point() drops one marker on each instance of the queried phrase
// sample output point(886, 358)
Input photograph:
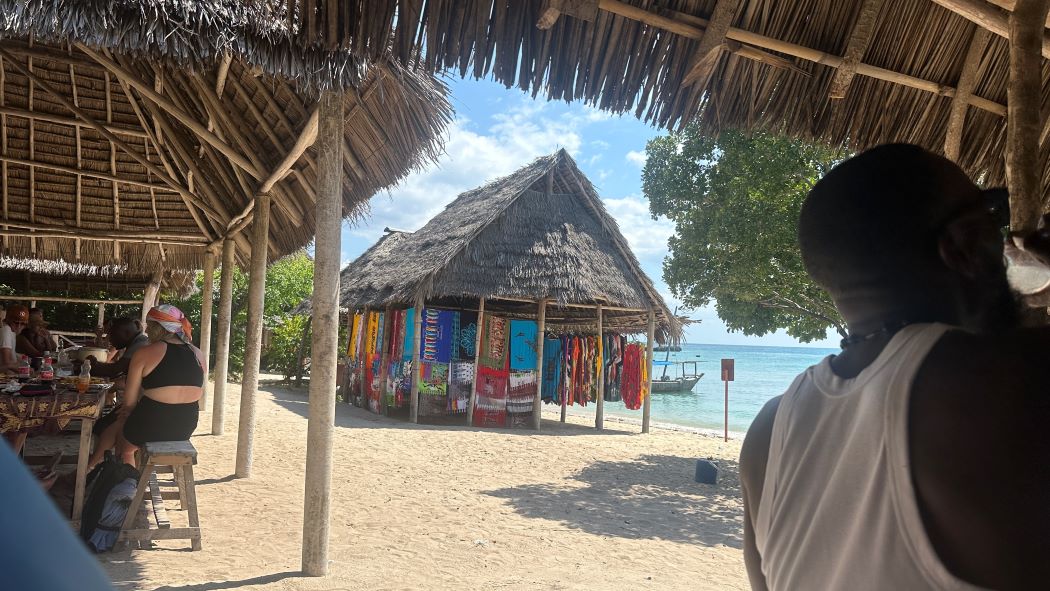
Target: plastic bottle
point(47, 371)
point(24, 370)
point(84, 381)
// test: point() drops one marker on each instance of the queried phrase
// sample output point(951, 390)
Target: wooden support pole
point(712, 42)
point(599, 412)
point(971, 73)
point(988, 16)
point(207, 293)
point(302, 352)
point(101, 315)
point(149, 297)
point(650, 336)
point(417, 370)
point(253, 335)
point(473, 400)
point(537, 401)
point(325, 340)
point(859, 40)
point(222, 338)
point(1024, 95)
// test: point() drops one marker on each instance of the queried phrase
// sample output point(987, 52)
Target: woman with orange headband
point(165, 380)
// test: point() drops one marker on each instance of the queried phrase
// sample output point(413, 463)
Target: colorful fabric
point(494, 343)
point(355, 333)
point(613, 366)
point(371, 333)
point(20, 413)
point(434, 379)
point(410, 331)
point(552, 357)
point(523, 345)
point(461, 381)
point(490, 405)
point(435, 345)
point(172, 319)
point(632, 387)
point(465, 335)
point(521, 393)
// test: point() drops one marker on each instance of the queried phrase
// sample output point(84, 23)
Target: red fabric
point(631, 384)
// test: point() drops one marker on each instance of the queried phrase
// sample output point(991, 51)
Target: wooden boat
point(683, 382)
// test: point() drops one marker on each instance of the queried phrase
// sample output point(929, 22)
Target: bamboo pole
point(325, 340)
point(472, 401)
point(537, 401)
point(650, 336)
point(101, 315)
point(964, 89)
point(599, 412)
point(207, 289)
point(985, 15)
point(222, 340)
point(417, 321)
point(1024, 95)
point(253, 337)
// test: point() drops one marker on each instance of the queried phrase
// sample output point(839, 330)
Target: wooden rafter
point(986, 15)
point(971, 73)
point(60, 120)
point(32, 154)
point(859, 40)
point(126, 235)
point(712, 43)
point(80, 159)
point(167, 106)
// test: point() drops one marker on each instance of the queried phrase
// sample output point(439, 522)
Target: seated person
point(14, 321)
point(165, 380)
point(35, 339)
point(127, 337)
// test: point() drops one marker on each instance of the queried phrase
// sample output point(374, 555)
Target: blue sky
point(495, 132)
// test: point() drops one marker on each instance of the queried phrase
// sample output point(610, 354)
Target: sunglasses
point(995, 203)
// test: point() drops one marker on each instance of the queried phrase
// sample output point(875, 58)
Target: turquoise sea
point(761, 373)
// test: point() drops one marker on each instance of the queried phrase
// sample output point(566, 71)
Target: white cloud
point(647, 237)
point(636, 157)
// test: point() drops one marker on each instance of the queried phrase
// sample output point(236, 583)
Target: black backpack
point(107, 475)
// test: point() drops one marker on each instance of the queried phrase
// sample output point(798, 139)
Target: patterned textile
point(410, 331)
point(613, 370)
point(19, 413)
point(494, 343)
point(353, 346)
point(373, 382)
point(460, 382)
point(523, 345)
point(552, 357)
point(490, 406)
point(400, 386)
point(435, 345)
point(371, 333)
point(172, 319)
point(380, 332)
point(434, 380)
point(522, 391)
point(465, 335)
point(633, 386)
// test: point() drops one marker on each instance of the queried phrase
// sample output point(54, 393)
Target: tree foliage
point(735, 201)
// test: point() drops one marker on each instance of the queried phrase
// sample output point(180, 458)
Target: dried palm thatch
point(848, 73)
point(137, 132)
point(539, 233)
point(58, 278)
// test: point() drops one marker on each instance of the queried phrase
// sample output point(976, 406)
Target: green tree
point(735, 201)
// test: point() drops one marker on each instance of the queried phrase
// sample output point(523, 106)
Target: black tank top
point(179, 367)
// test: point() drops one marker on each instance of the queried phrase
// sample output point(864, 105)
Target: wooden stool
point(178, 457)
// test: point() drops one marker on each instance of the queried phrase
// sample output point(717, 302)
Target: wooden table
point(24, 413)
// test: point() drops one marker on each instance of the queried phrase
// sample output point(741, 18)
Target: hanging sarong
point(633, 373)
point(523, 345)
point(435, 344)
point(494, 343)
point(461, 381)
point(371, 335)
point(465, 336)
point(410, 331)
point(613, 367)
point(552, 358)
point(490, 406)
point(355, 333)
point(521, 391)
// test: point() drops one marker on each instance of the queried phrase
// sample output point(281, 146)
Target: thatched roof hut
point(539, 233)
point(847, 73)
point(137, 132)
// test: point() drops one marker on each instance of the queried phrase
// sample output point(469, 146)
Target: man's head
point(17, 317)
point(123, 331)
point(898, 233)
point(36, 316)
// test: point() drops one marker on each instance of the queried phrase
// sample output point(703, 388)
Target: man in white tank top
point(919, 457)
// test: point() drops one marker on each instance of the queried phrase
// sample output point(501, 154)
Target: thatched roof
point(514, 239)
point(137, 132)
point(57, 278)
point(775, 65)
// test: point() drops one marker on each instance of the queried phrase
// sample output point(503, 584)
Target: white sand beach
point(437, 507)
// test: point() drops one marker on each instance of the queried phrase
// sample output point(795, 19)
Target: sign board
point(727, 370)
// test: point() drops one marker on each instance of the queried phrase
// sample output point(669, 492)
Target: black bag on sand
point(107, 502)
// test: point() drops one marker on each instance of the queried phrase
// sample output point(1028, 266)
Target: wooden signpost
point(727, 376)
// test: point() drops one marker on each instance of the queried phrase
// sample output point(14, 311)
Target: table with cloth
point(28, 413)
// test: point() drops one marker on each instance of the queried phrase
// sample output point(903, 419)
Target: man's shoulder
point(754, 453)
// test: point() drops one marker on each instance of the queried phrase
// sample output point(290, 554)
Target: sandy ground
point(437, 507)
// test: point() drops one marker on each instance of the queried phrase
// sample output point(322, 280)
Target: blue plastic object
point(706, 472)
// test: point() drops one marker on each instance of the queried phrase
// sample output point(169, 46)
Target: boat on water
point(687, 377)
point(667, 349)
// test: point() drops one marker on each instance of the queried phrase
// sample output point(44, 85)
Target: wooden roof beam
point(47, 231)
point(60, 120)
point(859, 40)
point(90, 121)
point(712, 43)
point(306, 139)
point(181, 116)
point(1009, 5)
point(83, 172)
point(988, 16)
point(552, 9)
point(971, 73)
point(691, 26)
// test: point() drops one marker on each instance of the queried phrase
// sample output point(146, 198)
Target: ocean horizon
point(762, 372)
